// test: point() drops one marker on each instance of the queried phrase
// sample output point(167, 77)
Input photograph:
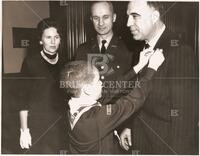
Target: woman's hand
point(25, 138)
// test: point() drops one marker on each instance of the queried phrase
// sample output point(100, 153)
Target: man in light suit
point(168, 122)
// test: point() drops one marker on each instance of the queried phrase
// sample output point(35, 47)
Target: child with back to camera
point(91, 124)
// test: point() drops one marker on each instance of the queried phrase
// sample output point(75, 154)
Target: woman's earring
point(41, 42)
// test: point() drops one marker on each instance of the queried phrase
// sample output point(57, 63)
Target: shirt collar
point(155, 39)
point(108, 39)
point(76, 103)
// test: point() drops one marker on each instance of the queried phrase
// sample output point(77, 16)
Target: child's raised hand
point(156, 59)
point(143, 60)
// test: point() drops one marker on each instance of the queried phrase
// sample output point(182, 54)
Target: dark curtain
point(74, 17)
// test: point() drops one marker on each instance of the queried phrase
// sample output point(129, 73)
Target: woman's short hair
point(47, 23)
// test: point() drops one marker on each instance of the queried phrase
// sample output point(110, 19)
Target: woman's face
point(50, 40)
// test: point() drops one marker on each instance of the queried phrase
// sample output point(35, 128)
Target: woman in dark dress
point(41, 112)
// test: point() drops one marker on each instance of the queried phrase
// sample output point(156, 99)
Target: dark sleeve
point(115, 92)
point(26, 83)
point(184, 100)
point(111, 116)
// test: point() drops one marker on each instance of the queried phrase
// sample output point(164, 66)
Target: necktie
point(146, 46)
point(103, 48)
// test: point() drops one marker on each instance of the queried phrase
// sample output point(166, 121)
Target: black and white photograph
point(100, 77)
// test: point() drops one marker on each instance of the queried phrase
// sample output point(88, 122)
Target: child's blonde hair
point(75, 75)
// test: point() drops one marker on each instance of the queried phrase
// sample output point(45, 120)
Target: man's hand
point(156, 59)
point(144, 59)
point(125, 139)
point(25, 139)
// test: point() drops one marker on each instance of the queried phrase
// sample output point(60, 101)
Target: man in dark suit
point(107, 50)
point(168, 122)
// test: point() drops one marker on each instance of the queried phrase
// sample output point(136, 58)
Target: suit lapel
point(164, 43)
point(164, 40)
point(112, 45)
